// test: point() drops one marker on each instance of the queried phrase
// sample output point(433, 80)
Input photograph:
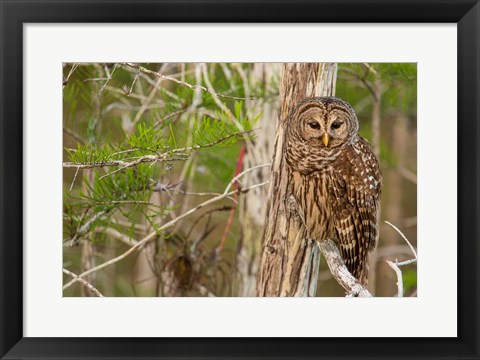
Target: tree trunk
point(289, 261)
point(252, 205)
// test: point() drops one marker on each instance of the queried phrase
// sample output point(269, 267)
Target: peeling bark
point(289, 261)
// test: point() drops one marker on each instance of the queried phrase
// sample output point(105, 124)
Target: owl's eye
point(336, 125)
point(314, 125)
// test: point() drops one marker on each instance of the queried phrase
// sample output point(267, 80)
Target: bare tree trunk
point(289, 261)
point(252, 205)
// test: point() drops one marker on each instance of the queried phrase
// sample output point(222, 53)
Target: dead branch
point(84, 282)
point(339, 270)
point(153, 235)
point(183, 83)
point(404, 238)
point(396, 265)
point(398, 272)
point(72, 70)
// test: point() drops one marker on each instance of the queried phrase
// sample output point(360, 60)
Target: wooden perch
point(339, 270)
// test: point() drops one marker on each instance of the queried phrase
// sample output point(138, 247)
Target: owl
point(335, 178)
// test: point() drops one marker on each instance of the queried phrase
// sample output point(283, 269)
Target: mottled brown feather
point(337, 189)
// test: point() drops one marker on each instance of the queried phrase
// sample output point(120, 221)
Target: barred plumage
point(335, 178)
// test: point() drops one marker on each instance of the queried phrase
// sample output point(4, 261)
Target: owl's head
point(317, 128)
point(324, 121)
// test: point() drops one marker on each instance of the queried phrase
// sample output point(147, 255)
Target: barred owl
point(335, 178)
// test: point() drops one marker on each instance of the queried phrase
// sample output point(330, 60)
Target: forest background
point(183, 150)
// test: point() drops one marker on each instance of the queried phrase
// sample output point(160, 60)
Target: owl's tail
point(359, 270)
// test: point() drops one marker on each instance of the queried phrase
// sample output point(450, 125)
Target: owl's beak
point(325, 139)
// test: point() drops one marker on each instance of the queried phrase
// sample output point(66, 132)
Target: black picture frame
point(465, 13)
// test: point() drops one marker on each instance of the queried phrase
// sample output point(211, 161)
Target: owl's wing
point(355, 190)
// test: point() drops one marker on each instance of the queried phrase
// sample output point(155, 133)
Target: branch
point(74, 135)
point(223, 107)
point(145, 104)
point(166, 156)
point(404, 238)
point(84, 282)
point(168, 117)
point(85, 228)
point(192, 87)
point(72, 70)
point(116, 235)
point(398, 272)
point(109, 77)
point(396, 265)
point(153, 235)
point(339, 270)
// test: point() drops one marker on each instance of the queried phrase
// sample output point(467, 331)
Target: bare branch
point(192, 87)
point(116, 235)
point(168, 117)
point(145, 104)
point(93, 164)
point(109, 76)
point(73, 181)
point(72, 70)
point(396, 265)
point(154, 234)
point(404, 238)
point(84, 282)
point(398, 272)
point(74, 135)
point(339, 270)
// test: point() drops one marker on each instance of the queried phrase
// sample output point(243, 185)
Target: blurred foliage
point(114, 112)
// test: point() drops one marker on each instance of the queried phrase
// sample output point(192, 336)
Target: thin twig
point(127, 90)
point(125, 202)
point(153, 92)
point(74, 178)
point(121, 93)
point(84, 282)
point(74, 135)
point(116, 235)
point(166, 156)
point(93, 164)
point(109, 77)
point(154, 234)
point(72, 69)
point(226, 110)
point(396, 265)
point(192, 87)
point(168, 117)
point(404, 238)
point(86, 227)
